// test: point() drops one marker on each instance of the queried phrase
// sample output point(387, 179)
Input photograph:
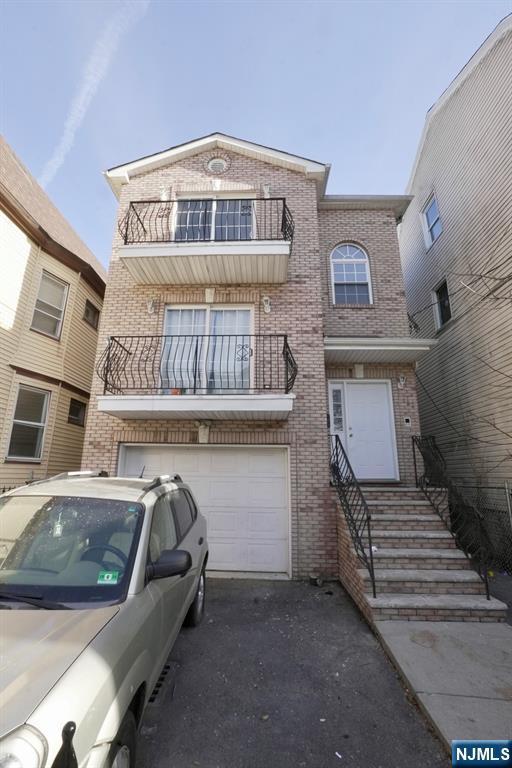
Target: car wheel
point(122, 751)
point(196, 610)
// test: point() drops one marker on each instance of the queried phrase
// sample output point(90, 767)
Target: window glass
point(76, 413)
point(350, 275)
point(28, 424)
point(67, 548)
point(182, 511)
point(91, 314)
point(433, 220)
point(443, 304)
point(49, 309)
point(163, 530)
point(192, 504)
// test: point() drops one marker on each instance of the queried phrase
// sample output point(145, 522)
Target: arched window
point(350, 273)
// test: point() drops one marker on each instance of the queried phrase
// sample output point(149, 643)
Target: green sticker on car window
point(108, 577)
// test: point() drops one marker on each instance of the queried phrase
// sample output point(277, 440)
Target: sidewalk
point(459, 672)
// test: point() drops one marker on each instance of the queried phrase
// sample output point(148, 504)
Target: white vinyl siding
point(465, 396)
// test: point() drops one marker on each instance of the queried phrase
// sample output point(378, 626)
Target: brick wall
point(375, 232)
point(298, 309)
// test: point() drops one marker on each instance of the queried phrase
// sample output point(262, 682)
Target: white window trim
point(43, 424)
point(427, 233)
point(57, 336)
point(350, 261)
point(435, 304)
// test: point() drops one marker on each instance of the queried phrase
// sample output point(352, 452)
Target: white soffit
point(260, 407)
point(121, 174)
point(376, 350)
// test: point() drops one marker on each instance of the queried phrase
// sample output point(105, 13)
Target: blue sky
point(88, 85)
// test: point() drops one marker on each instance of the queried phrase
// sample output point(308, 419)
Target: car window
point(192, 504)
point(182, 511)
point(163, 530)
point(68, 548)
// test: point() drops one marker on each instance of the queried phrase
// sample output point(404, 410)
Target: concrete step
point(435, 581)
point(404, 507)
point(398, 521)
point(415, 539)
point(419, 559)
point(391, 492)
point(436, 607)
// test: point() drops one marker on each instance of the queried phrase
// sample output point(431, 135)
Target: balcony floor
point(271, 407)
point(196, 263)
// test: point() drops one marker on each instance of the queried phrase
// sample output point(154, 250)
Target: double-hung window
point(213, 220)
point(350, 274)
point(432, 221)
point(30, 418)
point(50, 303)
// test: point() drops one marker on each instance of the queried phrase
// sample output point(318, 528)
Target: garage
point(242, 492)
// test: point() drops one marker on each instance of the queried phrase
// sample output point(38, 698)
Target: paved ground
point(283, 674)
point(461, 673)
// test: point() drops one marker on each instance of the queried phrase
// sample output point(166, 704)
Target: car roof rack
point(70, 476)
point(159, 480)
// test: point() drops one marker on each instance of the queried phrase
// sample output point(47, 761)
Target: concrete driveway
point(282, 674)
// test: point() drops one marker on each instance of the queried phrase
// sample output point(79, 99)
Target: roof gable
point(121, 174)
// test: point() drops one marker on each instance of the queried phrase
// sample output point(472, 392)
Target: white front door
point(362, 417)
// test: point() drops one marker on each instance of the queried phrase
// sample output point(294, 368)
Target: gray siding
point(466, 159)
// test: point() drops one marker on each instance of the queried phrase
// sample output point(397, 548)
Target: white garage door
point(242, 492)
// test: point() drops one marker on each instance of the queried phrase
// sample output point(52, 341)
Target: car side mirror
point(172, 562)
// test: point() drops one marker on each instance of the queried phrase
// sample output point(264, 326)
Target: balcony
point(193, 242)
point(197, 377)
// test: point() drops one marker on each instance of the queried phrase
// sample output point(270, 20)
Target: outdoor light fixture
point(266, 304)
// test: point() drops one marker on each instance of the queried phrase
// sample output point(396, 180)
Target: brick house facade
point(356, 343)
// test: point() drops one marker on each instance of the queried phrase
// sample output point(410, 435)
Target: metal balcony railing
point(198, 364)
point(481, 527)
point(181, 221)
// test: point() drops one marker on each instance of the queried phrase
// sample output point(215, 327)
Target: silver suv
point(97, 576)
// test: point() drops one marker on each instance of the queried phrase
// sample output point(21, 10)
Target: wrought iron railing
point(354, 506)
point(198, 364)
point(179, 221)
point(461, 511)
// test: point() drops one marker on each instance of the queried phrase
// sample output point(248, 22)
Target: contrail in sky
point(94, 71)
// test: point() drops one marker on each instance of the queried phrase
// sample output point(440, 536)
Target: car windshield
point(67, 549)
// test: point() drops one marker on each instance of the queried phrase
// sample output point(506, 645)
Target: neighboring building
point(51, 294)
point(456, 247)
point(231, 351)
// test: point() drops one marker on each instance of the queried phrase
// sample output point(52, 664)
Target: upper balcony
point(184, 242)
point(197, 376)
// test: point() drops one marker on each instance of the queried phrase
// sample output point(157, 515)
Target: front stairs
point(420, 574)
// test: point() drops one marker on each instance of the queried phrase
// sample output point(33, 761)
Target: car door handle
point(200, 541)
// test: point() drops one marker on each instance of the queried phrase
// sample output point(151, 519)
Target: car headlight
point(24, 748)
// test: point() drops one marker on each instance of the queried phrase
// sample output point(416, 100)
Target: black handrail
point(198, 364)
point(179, 221)
point(354, 506)
point(462, 518)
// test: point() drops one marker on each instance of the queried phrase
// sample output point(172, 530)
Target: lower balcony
point(198, 377)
